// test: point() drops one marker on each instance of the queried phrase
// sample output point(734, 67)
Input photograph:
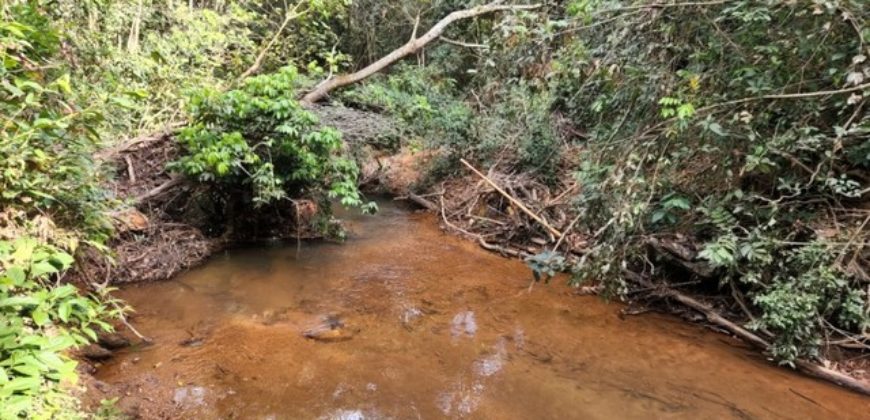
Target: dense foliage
point(740, 126)
point(50, 202)
point(75, 76)
point(257, 137)
point(47, 137)
point(38, 322)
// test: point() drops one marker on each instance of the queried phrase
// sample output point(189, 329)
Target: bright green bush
point(259, 139)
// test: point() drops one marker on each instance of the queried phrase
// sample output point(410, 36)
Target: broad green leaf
point(40, 316)
point(52, 360)
point(90, 333)
point(63, 311)
point(27, 370)
point(22, 384)
point(19, 301)
point(17, 275)
point(24, 248)
point(42, 268)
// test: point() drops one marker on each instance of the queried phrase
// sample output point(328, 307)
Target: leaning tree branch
point(412, 46)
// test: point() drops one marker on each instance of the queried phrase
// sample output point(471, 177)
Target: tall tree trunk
point(412, 46)
point(133, 39)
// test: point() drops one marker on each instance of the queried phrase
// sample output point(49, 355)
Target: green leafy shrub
point(722, 135)
point(425, 102)
point(39, 321)
point(518, 121)
point(260, 140)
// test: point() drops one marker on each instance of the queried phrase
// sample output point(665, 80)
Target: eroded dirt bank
point(404, 321)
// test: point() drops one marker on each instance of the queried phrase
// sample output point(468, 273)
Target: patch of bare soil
point(395, 173)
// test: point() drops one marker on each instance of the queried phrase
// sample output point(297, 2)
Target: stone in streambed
point(113, 341)
point(96, 352)
point(332, 329)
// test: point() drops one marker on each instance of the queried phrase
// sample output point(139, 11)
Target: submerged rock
point(464, 323)
point(331, 329)
point(189, 396)
point(113, 341)
point(96, 352)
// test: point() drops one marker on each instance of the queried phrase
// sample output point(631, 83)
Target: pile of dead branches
point(508, 212)
point(153, 240)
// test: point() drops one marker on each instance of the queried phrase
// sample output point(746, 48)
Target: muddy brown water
point(429, 326)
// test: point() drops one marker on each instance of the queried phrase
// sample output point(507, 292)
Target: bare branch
point(463, 44)
point(513, 200)
point(262, 56)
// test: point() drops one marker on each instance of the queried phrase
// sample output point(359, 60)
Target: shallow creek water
point(431, 327)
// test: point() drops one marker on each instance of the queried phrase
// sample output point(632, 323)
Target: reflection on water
point(403, 321)
point(463, 323)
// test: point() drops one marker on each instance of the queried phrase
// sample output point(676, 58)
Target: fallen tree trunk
point(412, 46)
point(805, 366)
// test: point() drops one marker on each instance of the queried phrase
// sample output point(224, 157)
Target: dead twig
point(131, 173)
point(423, 202)
point(513, 200)
point(159, 189)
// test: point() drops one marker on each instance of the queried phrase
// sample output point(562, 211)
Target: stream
point(405, 321)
